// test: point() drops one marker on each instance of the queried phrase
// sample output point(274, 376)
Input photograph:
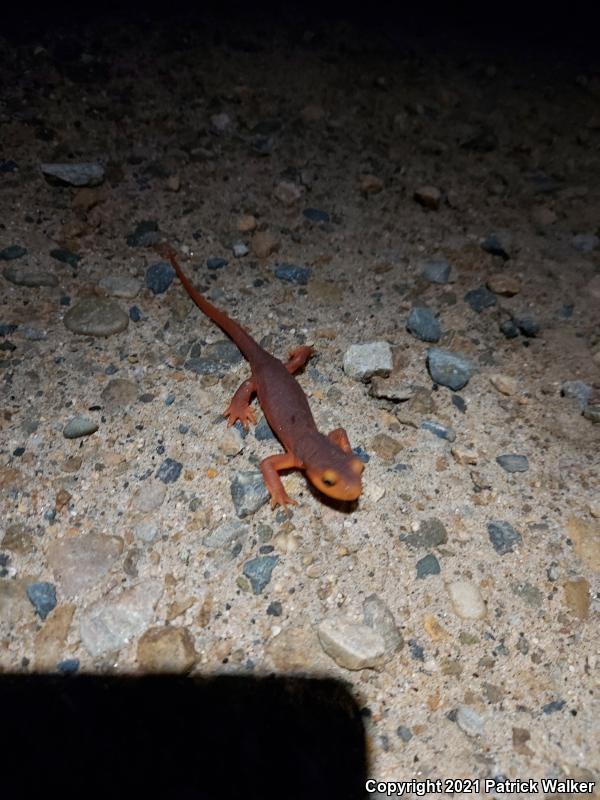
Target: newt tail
point(327, 460)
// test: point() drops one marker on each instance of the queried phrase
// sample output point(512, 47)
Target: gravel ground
point(425, 215)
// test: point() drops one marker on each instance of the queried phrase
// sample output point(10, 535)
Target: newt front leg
point(240, 408)
point(270, 471)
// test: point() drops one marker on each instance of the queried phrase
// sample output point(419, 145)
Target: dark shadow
point(180, 738)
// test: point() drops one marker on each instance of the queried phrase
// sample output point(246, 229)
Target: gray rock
point(363, 361)
point(293, 273)
point(29, 276)
point(240, 249)
point(12, 251)
point(119, 392)
point(592, 412)
point(423, 324)
point(513, 462)
point(503, 536)
point(316, 215)
point(258, 571)
point(431, 533)
point(96, 316)
point(42, 597)
point(83, 174)
point(150, 496)
point(217, 358)
point(79, 426)
point(80, 562)
point(263, 431)
point(498, 244)
point(392, 389)
point(159, 277)
point(351, 645)
point(469, 721)
point(113, 621)
point(225, 534)
point(449, 369)
point(439, 430)
point(379, 617)
point(428, 565)
point(145, 234)
point(169, 471)
point(146, 532)
point(65, 256)
point(480, 298)
point(120, 286)
point(577, 390)
point(437, 271)
point(585, 242)
point(248, 492)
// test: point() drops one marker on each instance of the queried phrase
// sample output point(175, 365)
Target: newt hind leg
point(240, 407)
point(298, 358)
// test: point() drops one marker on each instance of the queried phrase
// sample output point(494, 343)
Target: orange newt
point(328, 461)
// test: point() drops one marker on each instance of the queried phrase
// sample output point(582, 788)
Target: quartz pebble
point(364, 361)
point(350, 644)
point(466, 599)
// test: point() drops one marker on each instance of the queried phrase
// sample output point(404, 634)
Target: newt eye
point(329, 477)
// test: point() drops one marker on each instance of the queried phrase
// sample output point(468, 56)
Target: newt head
point(334, 471)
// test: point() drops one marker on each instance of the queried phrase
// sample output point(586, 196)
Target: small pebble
point(120, 286)
point(364, 361)
point(351, 645)
point(65, 256)
point(69, 666)
point(293, 273)
point(169, 471)
point(498, 244)
point(505, 285)
point(43, 597)
point(585, 242)
point(428, 197)
point(145, 234)
point(459, 402)
point(96, 316)
point(505, 384)
point(439, 430)
point(316, 215)
point(466, 599)
point(509, 329)
point(428, 565)
point(528, 325)
point(29, 276)
point(431, 533)
point(469, 721)
point(592, 412)
point(404, 733)
point(449, 369)
point(275, 609)
point(378, 615)
point(12, 251)
point(258, 571)
point(135, 314)
point(503, 536)
point(229, 532)
point(577, 390)
point(240, 249)
point(214, 262)
point(423, 324)
point(437, 271)
point(480, 298)
point(159, 277)
point(513, 462)
point(83, 174)
point(554, 706)
point(248, 492)
point(79, 426)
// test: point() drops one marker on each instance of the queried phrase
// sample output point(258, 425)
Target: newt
point(327, 460)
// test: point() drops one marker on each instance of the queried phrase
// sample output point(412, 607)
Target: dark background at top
point(553, 29)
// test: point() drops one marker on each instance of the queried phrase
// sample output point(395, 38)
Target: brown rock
point(166, 649)
point(50, 640)
point(264, 244)
point(520, 737)
point(371, 184)
point(78, 563)
point(577, 597)
point(18, 539)
point(506, 285)
point(505, 384)
point(288, 193)
point(297, 649)
point(246, 223)
point(586, 541)
point(428, 197)
point(385, 447)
